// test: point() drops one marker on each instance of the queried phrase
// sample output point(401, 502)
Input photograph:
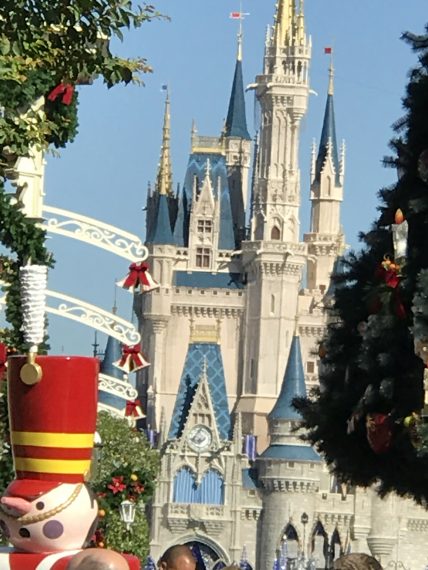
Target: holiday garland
point(46, 49)
point(127, 472)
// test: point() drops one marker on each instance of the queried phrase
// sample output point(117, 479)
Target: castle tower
point(154, 310)
point(326, 240)
point(238, 149)
point(289, 470)
point(191, 257)
point(199, 497)
point(274, 258)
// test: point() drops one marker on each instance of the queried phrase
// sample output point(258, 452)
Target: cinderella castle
point(232, 335)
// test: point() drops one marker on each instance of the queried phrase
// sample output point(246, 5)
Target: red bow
point(379, 432)
point(133, 409)
point(132, 359)
point(64, 89)
point(137, 275)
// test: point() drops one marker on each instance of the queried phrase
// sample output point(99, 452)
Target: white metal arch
point(94, 232)
point(91, 316)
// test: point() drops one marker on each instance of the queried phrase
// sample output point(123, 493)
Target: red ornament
point(117, 485)
point(379, 432)
point(66, 90)
point(132, 359)
point(139, 278)
point(133, 409)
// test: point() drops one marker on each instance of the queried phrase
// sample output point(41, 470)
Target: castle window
point(291, 538)
point(203, 257)
point(205, 226)
point(211, 489)
point(275, 234)
point(185, 489)
point(310, 367)
point(272, 304)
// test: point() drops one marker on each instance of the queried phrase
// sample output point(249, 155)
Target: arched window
point(275, 233)
point(185, 489)
point(291, 540)
point(211, 489)
point(320, 545)
point(335, 545)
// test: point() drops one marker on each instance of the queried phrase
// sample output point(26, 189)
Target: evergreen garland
point(44, 45)
point(127, 471)
point(371, 379)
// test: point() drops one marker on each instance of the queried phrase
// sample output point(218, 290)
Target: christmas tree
point(367, 417)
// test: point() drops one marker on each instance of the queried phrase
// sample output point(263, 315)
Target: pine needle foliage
point(369, 365)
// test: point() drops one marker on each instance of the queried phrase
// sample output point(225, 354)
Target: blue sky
point(104, 173)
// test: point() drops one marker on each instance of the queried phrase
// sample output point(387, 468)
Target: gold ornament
point(31, 372)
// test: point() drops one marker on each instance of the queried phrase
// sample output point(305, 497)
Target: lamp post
point(304, 520)
point(127, 513)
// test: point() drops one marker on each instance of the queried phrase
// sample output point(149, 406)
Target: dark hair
point(173, 552)
point(357, 561)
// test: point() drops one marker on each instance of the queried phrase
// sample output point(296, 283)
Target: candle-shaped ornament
point(33, 281)
point(400, 230)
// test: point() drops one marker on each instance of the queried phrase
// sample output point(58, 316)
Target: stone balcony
point(210, 518)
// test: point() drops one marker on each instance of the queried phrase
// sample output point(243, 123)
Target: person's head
point(356, 561)
point(178, 557)
point(98, 559)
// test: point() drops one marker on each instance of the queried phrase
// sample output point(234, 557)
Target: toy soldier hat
point(52, 422)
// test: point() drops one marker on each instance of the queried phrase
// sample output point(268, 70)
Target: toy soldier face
point(61, 519)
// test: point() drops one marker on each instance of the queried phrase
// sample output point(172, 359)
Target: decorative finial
point(240, 36)
point(331, 77)
point(164, 181)
point(114, 308)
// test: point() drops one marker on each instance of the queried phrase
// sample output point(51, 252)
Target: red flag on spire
point(328, 50)
point(236, 15)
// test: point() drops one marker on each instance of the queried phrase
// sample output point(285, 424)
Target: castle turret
point(162, 205)
point(238, 149)
point(162, 208)
point(289, 469)
point(274, 258)
point(326, 240)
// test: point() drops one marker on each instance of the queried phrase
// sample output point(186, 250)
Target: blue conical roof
point(162, 233)
point(112, 353)
point(293, 385)
point(328, 135)
point(180, 233)
point(236, 122)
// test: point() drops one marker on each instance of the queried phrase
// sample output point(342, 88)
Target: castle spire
point(328, 142)
point(161, 228)
point(284, 22)
point(293, 385)
point(331, 78)
point(164, 181)
point(236, 122)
